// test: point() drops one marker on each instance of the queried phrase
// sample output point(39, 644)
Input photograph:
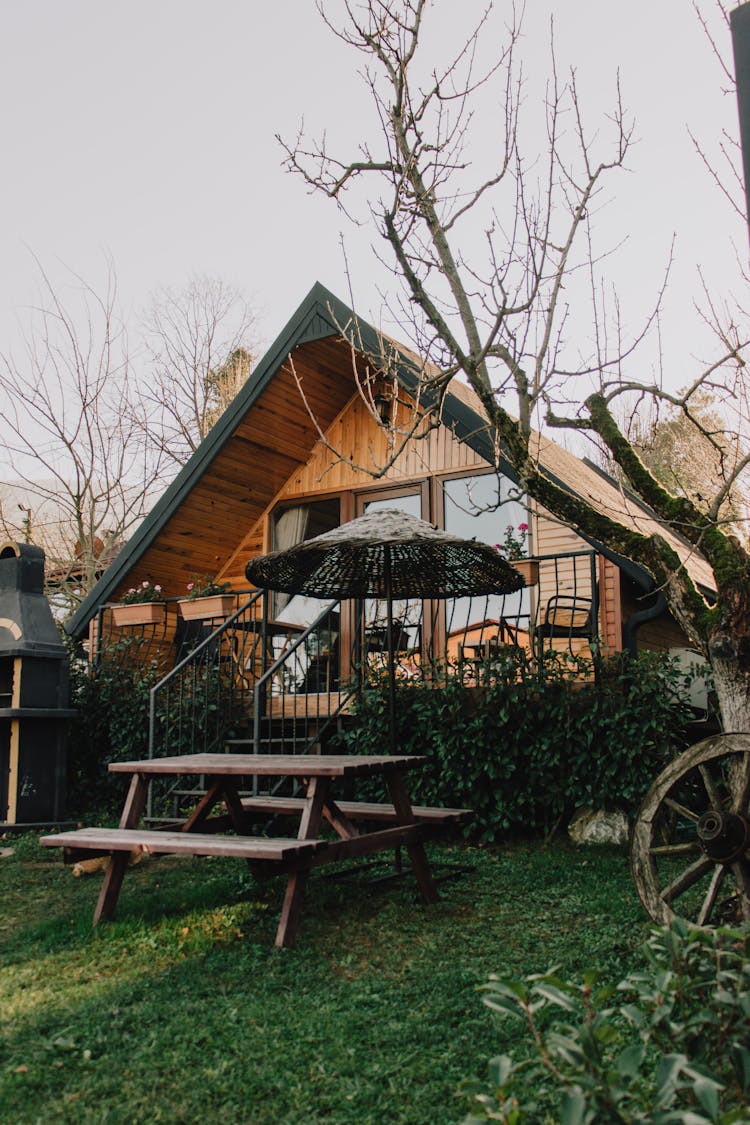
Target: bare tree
point(510, 311)
point(68, 444)
point(199, 351)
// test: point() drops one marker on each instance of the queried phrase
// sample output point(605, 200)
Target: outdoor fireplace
point(33, 693)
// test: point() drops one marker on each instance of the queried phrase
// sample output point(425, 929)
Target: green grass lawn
point(181, 1010)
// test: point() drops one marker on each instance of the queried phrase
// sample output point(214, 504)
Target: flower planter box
point(139, 613)
point(202, 609)
point(529, 568)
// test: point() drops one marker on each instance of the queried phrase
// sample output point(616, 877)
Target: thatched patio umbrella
point(386, 554)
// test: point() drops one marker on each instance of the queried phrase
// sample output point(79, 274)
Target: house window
point(481, 507)
point(295, 524)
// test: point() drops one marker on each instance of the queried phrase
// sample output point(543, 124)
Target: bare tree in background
point(691, 451)
point(68, 445)
point(88, 441)
point(199, 353)
point(501, 282)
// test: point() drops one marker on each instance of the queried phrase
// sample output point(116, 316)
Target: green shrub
point(667, 1046)
point(111, 724)
point(529, 745)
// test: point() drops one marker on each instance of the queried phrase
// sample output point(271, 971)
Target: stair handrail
point(192, 657)
point(261, 685)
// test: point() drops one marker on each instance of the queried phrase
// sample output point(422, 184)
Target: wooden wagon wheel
point(690, 855)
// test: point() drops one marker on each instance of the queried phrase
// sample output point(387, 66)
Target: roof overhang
point(320, 315)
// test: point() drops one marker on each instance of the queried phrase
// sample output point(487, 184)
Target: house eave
point(317, 317)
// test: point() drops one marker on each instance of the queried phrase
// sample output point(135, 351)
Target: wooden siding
point(273, 441)
point(659, 635)
point(361, 439)
point(610, 613)
point(276, 454)
point(325, 474)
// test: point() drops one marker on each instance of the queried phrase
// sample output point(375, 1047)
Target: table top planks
point(259, 765)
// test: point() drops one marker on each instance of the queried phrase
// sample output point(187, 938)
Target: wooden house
point(293, 455)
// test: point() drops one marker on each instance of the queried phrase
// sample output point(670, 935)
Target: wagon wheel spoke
point(739, 783)
point(742, 875)
point(682, 810)
point(713, 797)
point(690, 848)
point(709, 901)
point(686, 879)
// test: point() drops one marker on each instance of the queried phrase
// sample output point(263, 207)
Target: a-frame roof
point(323, 317)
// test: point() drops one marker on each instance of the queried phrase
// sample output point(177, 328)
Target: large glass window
point(296, 524)
point(483, 507)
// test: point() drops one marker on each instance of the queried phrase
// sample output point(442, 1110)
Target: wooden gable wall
point(358, 435)
point(275, 454)
point(270, 443)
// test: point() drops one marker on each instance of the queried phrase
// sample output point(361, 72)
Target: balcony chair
point(569, 617)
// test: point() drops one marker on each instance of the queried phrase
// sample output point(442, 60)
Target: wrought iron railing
point(300, 697)
point(252, 682)
point(558, 612)
point(208, 692)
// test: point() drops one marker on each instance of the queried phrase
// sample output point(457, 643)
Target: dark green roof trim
point(320, 315)
point(311, 321)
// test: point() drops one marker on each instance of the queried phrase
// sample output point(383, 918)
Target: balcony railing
point(254, 681)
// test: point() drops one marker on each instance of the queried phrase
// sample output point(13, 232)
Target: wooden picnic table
point(203, 833)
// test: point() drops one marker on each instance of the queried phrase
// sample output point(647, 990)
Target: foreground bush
point(668, 1045)
point(530, 745)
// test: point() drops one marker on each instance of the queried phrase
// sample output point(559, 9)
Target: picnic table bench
point(203, 833)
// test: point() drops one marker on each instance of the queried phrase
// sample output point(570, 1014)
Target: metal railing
point(208, 692)
point(251, 683)
point(557, 613)
point(299, 698)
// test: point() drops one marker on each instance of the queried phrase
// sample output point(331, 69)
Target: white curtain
point(290, 528)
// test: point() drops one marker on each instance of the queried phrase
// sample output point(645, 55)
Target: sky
point(145, 131)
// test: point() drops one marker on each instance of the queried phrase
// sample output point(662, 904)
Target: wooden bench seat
point(154, 842)
point(355, 810)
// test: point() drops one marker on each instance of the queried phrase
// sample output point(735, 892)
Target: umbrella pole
point(391, 654)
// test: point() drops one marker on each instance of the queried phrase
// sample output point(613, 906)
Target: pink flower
point(158, 589)
point(190, 586)
point(523, 527)
point(145, 585)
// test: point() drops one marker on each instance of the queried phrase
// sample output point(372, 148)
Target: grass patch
point(181, 1009)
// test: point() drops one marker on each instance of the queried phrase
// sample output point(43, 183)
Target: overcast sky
point(145, 130)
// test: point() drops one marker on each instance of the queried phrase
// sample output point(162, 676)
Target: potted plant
point(206, 599)
point(141, 605)
point(513, 547)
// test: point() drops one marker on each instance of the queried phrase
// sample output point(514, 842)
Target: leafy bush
point(667, 1046)
point(529, 745)
point(111, 725)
